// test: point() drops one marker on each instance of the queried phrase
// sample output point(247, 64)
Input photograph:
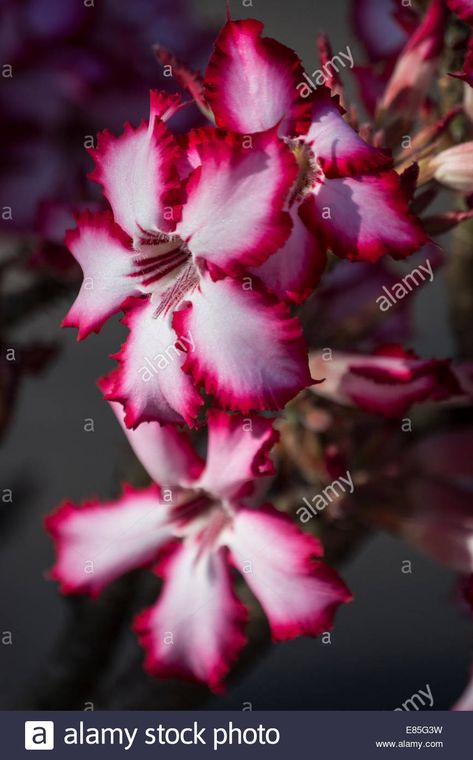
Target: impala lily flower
point(249, 86)
point(221, 227)
point(183, 261)
point(387, 383)
point(193, 524)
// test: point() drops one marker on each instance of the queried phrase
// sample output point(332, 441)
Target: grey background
point(401, 632)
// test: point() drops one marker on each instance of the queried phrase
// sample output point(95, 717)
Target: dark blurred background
point(402, 631)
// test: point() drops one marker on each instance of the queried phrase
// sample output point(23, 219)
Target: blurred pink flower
point(388, 382)
point(416, 66)
point(223, 226)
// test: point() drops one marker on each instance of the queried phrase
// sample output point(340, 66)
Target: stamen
point(160, 266)
point(218, 521)
point(167, 256)
point(154, 238)
point(309, 169)
point(146, 262)
point(190, 510)
point(184, 285)
point(161, 272)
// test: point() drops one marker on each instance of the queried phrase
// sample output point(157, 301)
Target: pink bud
point(417, 64)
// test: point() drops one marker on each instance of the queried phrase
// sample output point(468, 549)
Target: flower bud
point(453, 167)
point(415, 68)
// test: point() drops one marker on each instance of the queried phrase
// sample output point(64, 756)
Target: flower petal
point(103, 251)
point(340, 151)
point(196, 629)
point(166, 453)
point(293, 272)
point(163, 105)
point(98, 542)
point(299, 593)
point(328, 67)
point(138, 175)
point(463, 8)
point(416, 65)
point(234, 215)
point(186, 77)
point(341, 212)
point(149, 381)
point(383, 384)
point(250, 82)
point(238, 450)
point(248, 351)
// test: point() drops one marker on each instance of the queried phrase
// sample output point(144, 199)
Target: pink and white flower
point(388, 383)
point(250, 84)
point(174, 256)
point(192, 528)
point(214, 234)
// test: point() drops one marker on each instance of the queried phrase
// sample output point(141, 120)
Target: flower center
point(164, 269)
point(203, 516)
point(309, 169)
point(157, 258)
